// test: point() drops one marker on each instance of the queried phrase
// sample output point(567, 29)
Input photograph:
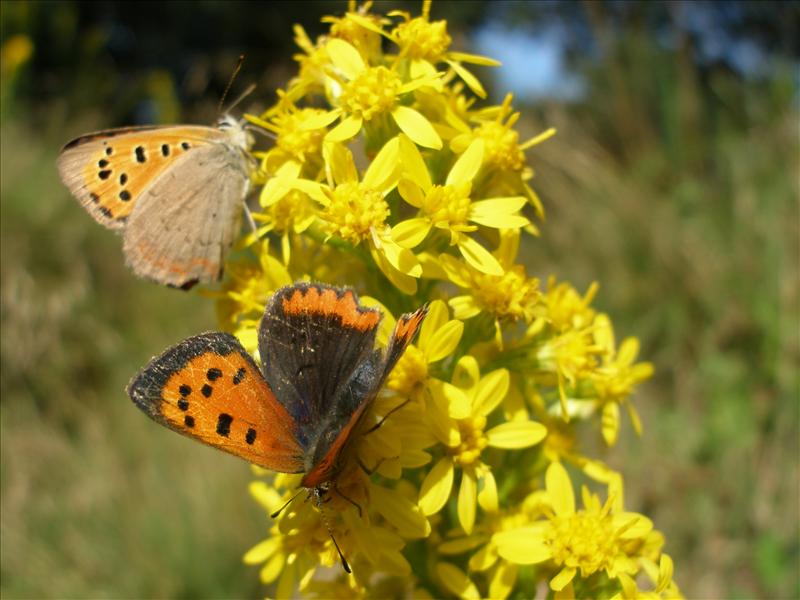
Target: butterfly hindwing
point(209, 388)
point(331, 447)
point(107, 170)
point(312, 340)
point(179, 233)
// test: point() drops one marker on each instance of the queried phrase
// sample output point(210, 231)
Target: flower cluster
point(386, 177)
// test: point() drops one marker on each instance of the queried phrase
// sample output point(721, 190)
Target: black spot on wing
point(239, 376)
point(213, 374)
point(188, 421)
point(251, 436)
point(140, 155)
point(207, 390)
point(224, 424)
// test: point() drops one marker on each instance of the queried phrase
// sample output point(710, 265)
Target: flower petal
point(492, 388)
point(500, 221)
point(346, 129)
point(447, 338)
point(559, 490)
point(437, 316)
point(400, 512)
point(462, 544)
point(458, 403)
point(503, 580)
point(345, 57)
point(273, 567)
point(382, 172)
point(609, 423)
point(484, 558)
point(339, 163)
point(261, 551)
point(487, 497)
point(318, 120)
point(417, 127)
point(472, 82)
point(467, 165)
point(564, 577)
point(517, 434)
point(411, 232)
point(466, 500)
point(436, 487)
point(478, 256)
point(411, 192)
point(414, 164)
point(456, 581)
point(464, 307)
point(524, 546)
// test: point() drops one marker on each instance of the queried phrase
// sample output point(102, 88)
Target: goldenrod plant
point(390, 175)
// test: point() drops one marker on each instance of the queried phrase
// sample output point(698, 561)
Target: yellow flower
point(245, 292)
point(360, 28)
point(509, 297)
point(437, 340)
point(459, 422)
point(450, 208)
point(292, 142)
point(504, 154)
point(616, 377)
point(365, 94)
point(484, 559)
point(585, 541)
point(424, 43)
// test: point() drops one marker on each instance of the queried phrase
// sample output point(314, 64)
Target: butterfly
point(176, 193)
point(302, 410)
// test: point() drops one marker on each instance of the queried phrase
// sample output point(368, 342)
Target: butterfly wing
point(108, 170)
point(312, 339)
point(186, 220)
point(362, 389)
point(209, 388)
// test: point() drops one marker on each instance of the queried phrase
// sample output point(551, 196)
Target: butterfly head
point(235, 129)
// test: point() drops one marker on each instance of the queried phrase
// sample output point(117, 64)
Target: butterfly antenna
point(288, 502)
point(230, 83)
point(327, 523)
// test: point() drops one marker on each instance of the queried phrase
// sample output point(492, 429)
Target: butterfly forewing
point(208, 387)
point(107, 170)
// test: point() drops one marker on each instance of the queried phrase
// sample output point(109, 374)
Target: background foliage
point(672, 182)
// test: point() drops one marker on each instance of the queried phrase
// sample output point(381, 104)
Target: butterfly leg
point(350, 500)
point(386, 416)
point(377, 466)
point(249, 216)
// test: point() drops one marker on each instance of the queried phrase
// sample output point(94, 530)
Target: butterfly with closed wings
point(176, 193)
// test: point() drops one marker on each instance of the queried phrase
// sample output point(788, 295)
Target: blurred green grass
point(97, 501)
point(678, 193)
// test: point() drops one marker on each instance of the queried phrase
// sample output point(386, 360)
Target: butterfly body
point(176, 193)
point(299, 413)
